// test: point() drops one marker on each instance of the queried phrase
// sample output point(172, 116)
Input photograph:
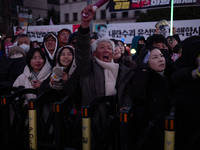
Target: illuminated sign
point(124, 5)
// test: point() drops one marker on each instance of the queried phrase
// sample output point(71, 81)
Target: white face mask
point(25, 47)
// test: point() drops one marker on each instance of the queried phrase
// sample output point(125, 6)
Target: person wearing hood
point(24, 42)
point(63, 36)
point(64, 80)
point(68, 80)
point(50, 44)
point(138, 43)
point(37, 69)
point(11, 67)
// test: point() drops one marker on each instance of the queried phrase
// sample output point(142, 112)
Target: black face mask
point(140, 46)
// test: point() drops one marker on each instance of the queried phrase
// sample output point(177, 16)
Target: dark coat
point(149, 92)
point(187, 96)
point(128, 62)
point(92, 74)
point(93, 83)
point(188, 106)
point(15, 69)
point(70, 87)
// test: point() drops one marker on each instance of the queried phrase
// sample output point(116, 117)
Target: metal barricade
point(169, 141)
point(13, 131)
point(124, 133)
point(114, 134)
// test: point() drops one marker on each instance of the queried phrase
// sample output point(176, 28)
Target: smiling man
point(100, 76)
point(50, 44)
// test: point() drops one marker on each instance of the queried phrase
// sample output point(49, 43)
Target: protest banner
point(126, 31)
point(121, 31)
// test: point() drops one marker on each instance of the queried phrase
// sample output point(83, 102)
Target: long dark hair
point(59, 54)
point(30, 54)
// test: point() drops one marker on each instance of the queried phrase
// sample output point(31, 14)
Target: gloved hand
point(142, 60)
point(5, 63)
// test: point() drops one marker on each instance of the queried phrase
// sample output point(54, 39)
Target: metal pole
point(86, 128)
point(32, 125)
point(169, 141)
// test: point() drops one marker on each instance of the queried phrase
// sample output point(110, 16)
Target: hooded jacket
point(51, 58)
point(22, 80)
point(135, 45)
point(71, 86)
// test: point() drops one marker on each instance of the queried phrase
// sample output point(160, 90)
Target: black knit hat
point(190, 51)
point(16, 48)
point(156, 38)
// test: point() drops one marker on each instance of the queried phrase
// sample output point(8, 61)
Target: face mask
point(140, 46)
point(25, 47)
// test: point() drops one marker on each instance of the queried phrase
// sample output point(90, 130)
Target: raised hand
point(90, 13)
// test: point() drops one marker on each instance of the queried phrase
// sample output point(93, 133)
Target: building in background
point(40, 7)
point(70, 13)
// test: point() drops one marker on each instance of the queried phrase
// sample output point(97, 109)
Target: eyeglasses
point(65, 34)
point(16, 55)
point(51, 40)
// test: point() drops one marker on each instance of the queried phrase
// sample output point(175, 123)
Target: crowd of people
point(163, 72)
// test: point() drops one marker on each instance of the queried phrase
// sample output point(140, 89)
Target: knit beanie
point(155, 38)
point(16, 48)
